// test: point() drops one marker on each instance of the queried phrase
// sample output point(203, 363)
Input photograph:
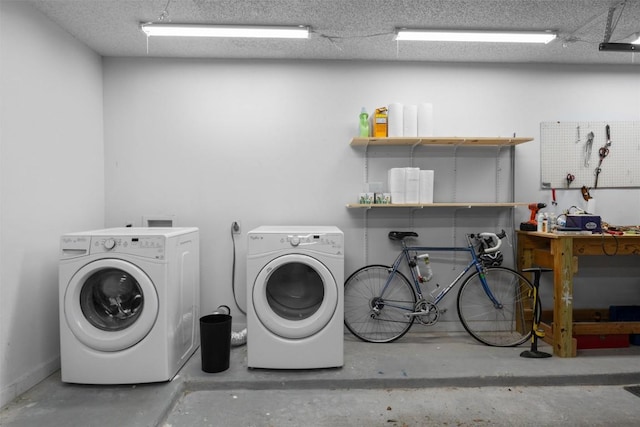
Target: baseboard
point(9, 392)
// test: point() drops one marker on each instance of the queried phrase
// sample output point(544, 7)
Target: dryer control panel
point(326, 243)
point(309, 239)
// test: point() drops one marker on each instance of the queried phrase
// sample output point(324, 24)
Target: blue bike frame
point(475, 262)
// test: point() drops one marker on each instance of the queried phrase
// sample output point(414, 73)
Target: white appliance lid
point(296, 229)
point(137, 231)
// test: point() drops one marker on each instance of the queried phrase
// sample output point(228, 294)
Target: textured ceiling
point(354, 30)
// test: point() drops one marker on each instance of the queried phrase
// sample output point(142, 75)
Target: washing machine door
point(295, 296)
point(110, 305)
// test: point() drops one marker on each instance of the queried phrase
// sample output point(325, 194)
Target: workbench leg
point(562, 252)
point(524, 260)
point(524, 257)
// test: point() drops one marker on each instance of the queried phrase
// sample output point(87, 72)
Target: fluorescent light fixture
point(476, 36)
point(197, 30)
point(632, 46)
point(618, 47)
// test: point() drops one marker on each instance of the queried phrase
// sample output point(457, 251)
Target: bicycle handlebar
point(495, 240)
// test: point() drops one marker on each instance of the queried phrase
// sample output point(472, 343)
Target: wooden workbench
point(561, 253)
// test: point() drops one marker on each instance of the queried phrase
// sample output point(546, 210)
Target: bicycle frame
point(475, 262)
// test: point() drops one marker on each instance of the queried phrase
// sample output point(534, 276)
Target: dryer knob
point(109, 244)
point(295, 241)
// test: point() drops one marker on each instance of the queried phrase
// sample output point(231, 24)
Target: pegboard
point(572, 148)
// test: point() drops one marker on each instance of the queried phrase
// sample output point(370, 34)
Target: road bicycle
point(495, 303)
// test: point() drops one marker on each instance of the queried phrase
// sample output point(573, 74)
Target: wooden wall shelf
point(440, 140)
point(436, 205)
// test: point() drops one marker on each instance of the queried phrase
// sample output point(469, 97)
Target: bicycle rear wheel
point(504, 325)
point(373, 316)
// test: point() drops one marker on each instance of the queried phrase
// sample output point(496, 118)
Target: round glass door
point(295, 291)
point(111, 299)
point(110, 305)
point(295, 296)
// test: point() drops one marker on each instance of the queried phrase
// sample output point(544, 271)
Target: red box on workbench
point(602, 341)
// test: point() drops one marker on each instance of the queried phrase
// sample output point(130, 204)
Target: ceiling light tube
point(476, 36)
point(196, 30)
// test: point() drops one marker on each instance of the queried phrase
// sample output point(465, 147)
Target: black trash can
point(215, 342)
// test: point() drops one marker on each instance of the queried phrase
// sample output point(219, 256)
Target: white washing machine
point(295, 297)
point(129, 304)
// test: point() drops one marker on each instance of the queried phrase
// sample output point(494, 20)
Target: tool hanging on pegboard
point(587, 149)
point(593, 157)
point(603, 152)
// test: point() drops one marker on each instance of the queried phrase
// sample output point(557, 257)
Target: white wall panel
point(52, 182)
point(267, 142)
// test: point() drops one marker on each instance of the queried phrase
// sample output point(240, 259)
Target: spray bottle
point(364, 123)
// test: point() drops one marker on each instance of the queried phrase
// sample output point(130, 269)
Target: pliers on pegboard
point(603, 152)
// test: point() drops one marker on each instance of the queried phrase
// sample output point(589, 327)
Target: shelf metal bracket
point(413, 147)
point(366, 163)
point(455, 172)
point(366, 236)
point(497, 168)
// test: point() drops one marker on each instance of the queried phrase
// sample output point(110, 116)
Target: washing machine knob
point(109, 244)
point(295, 241)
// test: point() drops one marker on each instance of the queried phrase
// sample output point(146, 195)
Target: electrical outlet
point(236, 227)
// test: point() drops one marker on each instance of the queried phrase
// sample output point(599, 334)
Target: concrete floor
point(424, 379)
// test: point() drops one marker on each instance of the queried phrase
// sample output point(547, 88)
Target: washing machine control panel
point(144, 246)
point(109, 244)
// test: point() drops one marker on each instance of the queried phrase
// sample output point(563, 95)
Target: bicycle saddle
point(399, 235)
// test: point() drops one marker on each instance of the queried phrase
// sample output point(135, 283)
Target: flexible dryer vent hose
point(237, 338)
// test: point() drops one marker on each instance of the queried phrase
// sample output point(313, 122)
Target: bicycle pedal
point(443, 310)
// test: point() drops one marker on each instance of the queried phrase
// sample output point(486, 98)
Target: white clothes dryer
point(295, 297)
point(129, 304)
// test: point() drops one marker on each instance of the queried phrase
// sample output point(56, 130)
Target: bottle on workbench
point(553, 222)
point(540, 220)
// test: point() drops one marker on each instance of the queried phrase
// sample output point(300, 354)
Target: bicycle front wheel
point(374, 313)
point(505, 321)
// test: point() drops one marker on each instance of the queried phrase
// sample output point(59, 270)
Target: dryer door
point(110, 305)
point(295, 296)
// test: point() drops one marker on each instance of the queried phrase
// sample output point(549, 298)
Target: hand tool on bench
point(532, 224)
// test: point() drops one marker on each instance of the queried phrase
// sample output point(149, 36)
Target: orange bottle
point(380, 123)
